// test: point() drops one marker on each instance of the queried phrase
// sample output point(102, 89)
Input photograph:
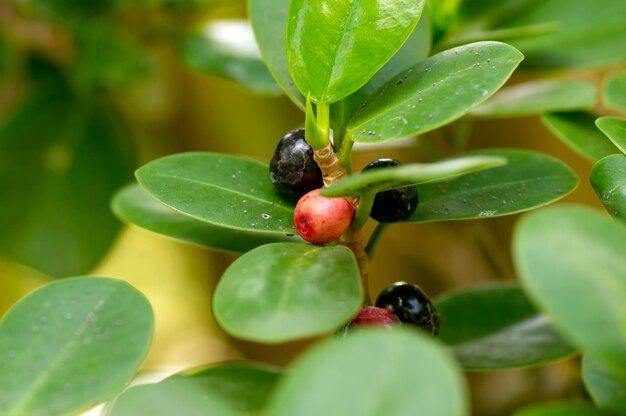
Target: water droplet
point(412, 105)
point(427, 69)
point(476, 65)
point(451, 74)
point(266, 216)
point(399, 82)
point(419, 92)
point(430, 116)
point(245, 201)
point(434, 84)
point(504, 202)
point(245, 211)
point(487, 213)
point(420, 99)
point(68, 316)
point(253, 224)
point(488, 60)
point(371, 133)
point(393, 127)
point(233, 176)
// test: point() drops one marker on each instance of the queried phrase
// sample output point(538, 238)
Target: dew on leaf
point(486, 213)
point(266, 216)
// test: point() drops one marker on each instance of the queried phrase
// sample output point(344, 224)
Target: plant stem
point(375, 238)
point(353, 239)
point(345, 153)
point(366, 201)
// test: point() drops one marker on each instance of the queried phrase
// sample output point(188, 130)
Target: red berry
point(372, 315)
point(320, 220)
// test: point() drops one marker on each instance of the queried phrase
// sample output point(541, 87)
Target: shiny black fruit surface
point(292, 168)
point(411, 305)
point(395, 204)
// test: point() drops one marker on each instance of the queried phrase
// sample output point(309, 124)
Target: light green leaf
point(536, 97)
point(562, 409)
point(225, 389)
point(135, 206)
point(614, 92)
point(571, 253)
point(434, 92)
point(334, 48)
point(372, 372)
point(70, 345)
point(378, 180)
point(495, 327)
point(608, 179)
point(528, 180)
point(615, 130)
point(227, 48)
point(287, 291)
point(578, 131)
point(224, 190)
point(607, 391)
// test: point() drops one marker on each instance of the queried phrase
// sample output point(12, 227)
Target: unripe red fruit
point(320, 220)
point(372, 315)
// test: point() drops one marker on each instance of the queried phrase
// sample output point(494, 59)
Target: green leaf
point(233, 388)
point(60, 162)
point(372, 372)
point(536, 97)
point(495, 327)
point(70, 345)
point(562, 409)
point(334, 48)
point(378, 180)
point(614, 92)
point(227, 48)
point(578, 131)
point(615, 129)
point(607, 391)
point(223, 190)
point(269, 22)
point(528, 180)
point(571, 262)
point(135, 206)
point(434, 92)
point(608, 179)
point(286, 291)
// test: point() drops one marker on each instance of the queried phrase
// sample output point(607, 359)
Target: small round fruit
point(411, 305)
point(292, 169)
point(367, 316)
point(395, 204)
point(320, 220)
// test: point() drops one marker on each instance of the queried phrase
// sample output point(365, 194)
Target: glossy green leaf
point(223, 190)
point(490, 11)
point(334, 48)
point(615, 130)
point(226, 389)
point(536, 97)
point(59, 174)
point(571, 262)
point(372, 372)
point(227, 48)
point(135, 206)
point(608, 179)
point(269, 22)
point(562, 409)
point(614, 92)
point(607, 390)
point(383, 179)
point(528, 180)
point(496, 327)
point(286, 291)
point(578, 131)
point(434, 92)
point(70, 345)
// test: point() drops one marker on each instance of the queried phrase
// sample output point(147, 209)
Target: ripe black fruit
point(395, 204)
point(411, 305)
point(292, 168)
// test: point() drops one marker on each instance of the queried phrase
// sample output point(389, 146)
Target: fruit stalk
point(329, 163)
point(353, 239)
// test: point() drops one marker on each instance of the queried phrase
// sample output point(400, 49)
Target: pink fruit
point(372, 315)
point(320, 220)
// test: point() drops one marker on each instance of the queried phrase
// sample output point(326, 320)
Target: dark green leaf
point(60, 162)
point(578, 131)
point(614, 93)
point(608, 179)
point(615, 130)
point(538, 97)
point(286, 291)
point(224, 190)
point(269, 22)
point(434, 92)
point(334, 48)
point(373, 372)
point(227, 48)
point(562, 409)
point(378, 180)
point(70, 345)
point(571, 262)
point(607, 390)
point(136, 206)
point(495, 327)
point(226, 389)
point(528, 180)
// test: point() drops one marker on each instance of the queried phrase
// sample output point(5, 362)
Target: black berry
point(411, 305)
point(292, 168)
point(395, 204)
